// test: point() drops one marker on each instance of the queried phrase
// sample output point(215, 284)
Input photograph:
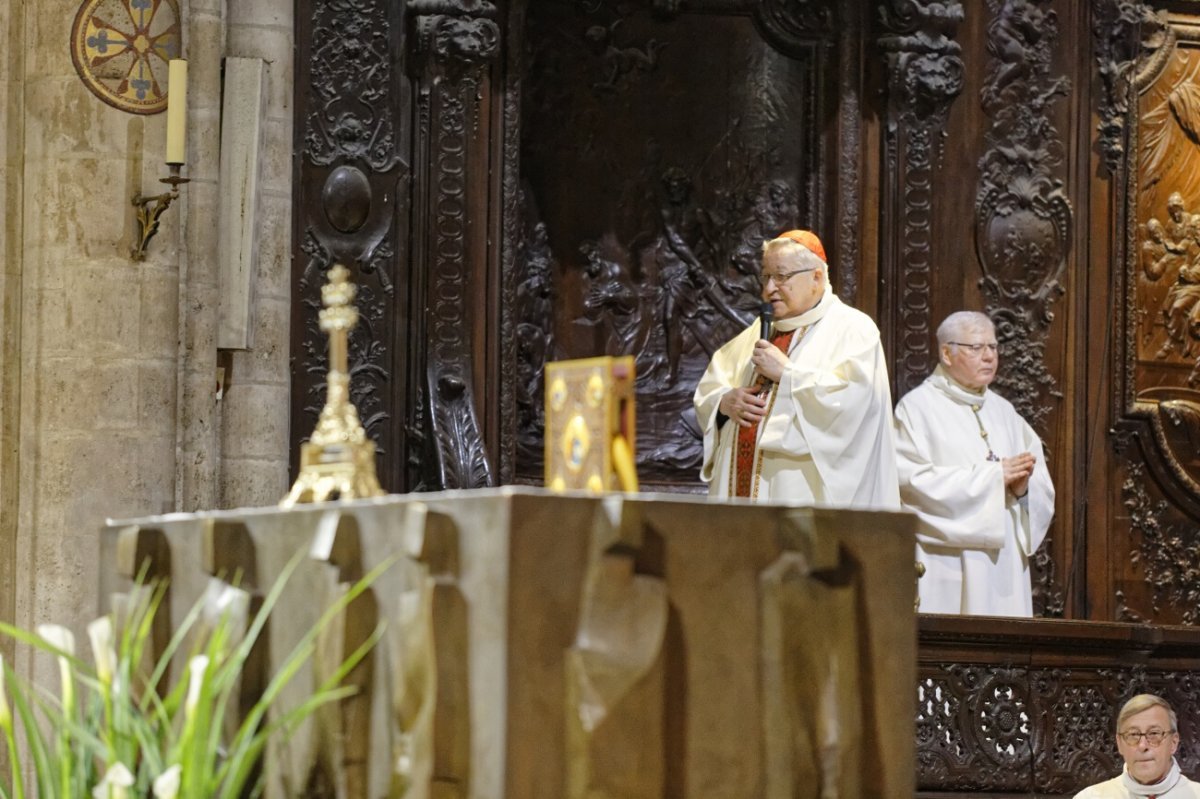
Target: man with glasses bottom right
point(1147, 737)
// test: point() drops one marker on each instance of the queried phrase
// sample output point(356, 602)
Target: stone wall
point(108, 366)
point(11, 24)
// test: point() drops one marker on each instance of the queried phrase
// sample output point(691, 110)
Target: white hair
point(956, 324)
point(795, 253)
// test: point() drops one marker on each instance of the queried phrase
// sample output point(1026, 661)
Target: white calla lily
point(100, 632)
point(57, 636)
point(61, 638)
point(116, 783)
point(197, 666)
point(166, 785)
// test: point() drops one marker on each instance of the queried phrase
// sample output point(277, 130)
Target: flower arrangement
point(116, 729)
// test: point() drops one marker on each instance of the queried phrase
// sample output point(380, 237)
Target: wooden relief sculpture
point(1117, 28)
point(659, 258)
point(925, 75)
point(1160, 376)
point(1022, 214)
point(615, 671)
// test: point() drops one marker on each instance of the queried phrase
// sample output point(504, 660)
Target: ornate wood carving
point(1158, 390)
point(348, 138)
point(659, 258)
point(1117, 27)
point(1049, 601)
point(1028, 707)
point(452, 45)
point(925, 75)
point(1022, 215)
point(973, 729)
point(1167, 552)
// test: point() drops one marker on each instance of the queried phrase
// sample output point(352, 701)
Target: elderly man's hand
point(769, 361)
point(1017, 471)
point(743, 406)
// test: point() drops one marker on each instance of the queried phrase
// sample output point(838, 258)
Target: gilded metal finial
point(338, 461)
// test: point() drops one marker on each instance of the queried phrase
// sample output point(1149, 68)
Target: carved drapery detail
point(1117, 29)
point(925, 75)
point(1167, 552)
point(1022, 215)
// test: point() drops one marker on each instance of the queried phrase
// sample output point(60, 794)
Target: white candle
point(177, 111)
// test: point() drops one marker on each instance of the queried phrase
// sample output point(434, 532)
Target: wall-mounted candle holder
point(149, 209)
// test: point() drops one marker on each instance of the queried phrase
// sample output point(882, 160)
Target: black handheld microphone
point(765, 320)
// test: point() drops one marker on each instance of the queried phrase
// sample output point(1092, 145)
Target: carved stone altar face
point(793, 295)
point(1148, 764)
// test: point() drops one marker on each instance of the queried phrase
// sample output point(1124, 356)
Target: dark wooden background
point(528, 181)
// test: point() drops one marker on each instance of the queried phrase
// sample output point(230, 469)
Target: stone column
point(12, 22)
point(97, 331)
point(254, 430)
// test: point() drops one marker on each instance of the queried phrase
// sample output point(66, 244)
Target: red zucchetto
point(808, 240)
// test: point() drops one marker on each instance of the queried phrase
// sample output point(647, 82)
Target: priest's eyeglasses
point(1153, 737)
point(782, 277)
point(976, 349)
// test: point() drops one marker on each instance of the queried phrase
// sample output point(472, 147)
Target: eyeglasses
point(1153, 737)
point(975, 349)
point(781, 278)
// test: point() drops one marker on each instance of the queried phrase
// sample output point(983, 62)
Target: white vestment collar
point(1157, 789)
point(943, 382)
point(809, 317)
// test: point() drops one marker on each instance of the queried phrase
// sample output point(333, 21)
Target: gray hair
point(795, 253)
point(959, 322)
point(1145, 702)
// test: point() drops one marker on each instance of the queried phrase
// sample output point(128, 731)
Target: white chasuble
point(974, 537)
point(826, 438)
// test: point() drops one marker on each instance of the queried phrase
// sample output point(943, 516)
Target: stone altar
point(545, 645)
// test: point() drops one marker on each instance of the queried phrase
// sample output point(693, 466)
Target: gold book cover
point(590, 425)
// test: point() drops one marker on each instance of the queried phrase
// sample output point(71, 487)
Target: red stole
point(746, 465)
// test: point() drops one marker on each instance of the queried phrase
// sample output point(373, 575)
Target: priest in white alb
point(806, 416)
point(974, 473)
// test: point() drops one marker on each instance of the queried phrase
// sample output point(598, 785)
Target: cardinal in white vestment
point(1147, 738)
point(806, 416)
point(974, 473)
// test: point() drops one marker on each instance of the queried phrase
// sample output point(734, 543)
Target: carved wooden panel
point(350, 162)
point(658, 148)
point(1157, 436)
point(1028, 708)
